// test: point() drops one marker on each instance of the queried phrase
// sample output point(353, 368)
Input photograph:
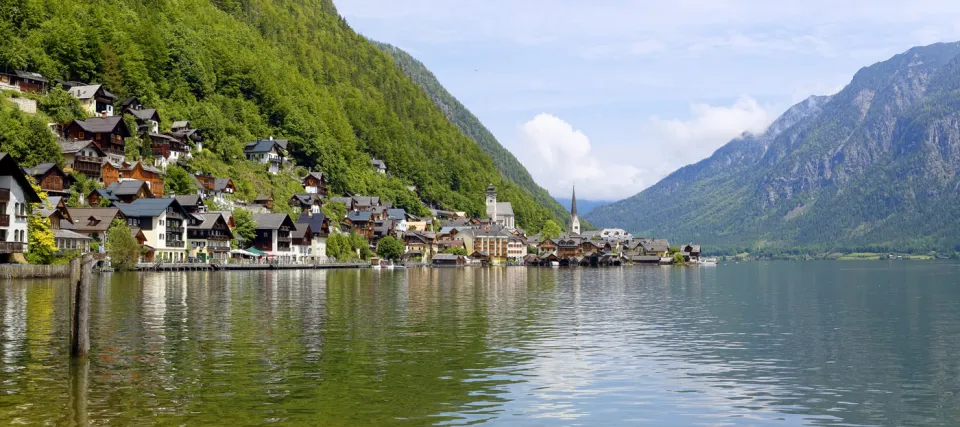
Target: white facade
point(15, 211)
point(165, 249)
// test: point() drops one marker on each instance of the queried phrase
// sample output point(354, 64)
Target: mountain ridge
point(832, 172)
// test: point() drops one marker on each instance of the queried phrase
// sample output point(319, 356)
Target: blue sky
point(613, 95)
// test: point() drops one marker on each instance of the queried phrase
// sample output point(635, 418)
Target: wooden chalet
point(53, 180)
point(107, 132)
point(84, 157)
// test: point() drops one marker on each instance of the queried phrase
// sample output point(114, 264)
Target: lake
point(763, 343)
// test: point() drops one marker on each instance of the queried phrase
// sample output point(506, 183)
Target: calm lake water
point(778, 343)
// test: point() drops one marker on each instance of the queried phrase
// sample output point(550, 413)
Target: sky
point(613, 95)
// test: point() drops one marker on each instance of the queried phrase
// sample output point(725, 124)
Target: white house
point(163, 223)
point(16, 194)
point(499, 212)
point(271, 152)
point(275, 236)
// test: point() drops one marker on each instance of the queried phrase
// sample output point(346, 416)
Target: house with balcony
point(192, 203)
point(167, 150)
point(16, 194)
point(107, 132)
point(182, 131)
point(302, 236)
point(53, 180)
point(320, 230)
point(218, 188)
point(163, 223)
point(95, 99)
point(274, 235)
point(271, 152)
point(148, 119)
point(361, 223)
point(83, 157)
point(307, 202)
point(315, 183)
point(208, 237)
point(264, 200)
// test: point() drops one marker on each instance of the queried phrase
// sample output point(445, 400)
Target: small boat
point(389, 266)
point(708, 261)
point(554, 263)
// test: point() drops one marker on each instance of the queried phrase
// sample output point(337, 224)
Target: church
point(499, 212)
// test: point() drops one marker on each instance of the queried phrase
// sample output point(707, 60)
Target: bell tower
point(492, 203)
point(574, 219)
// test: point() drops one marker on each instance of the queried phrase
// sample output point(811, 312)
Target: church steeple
point(574, 219)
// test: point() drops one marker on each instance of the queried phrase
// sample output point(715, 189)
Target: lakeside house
point(163, 224)
point(16, 194)
point(93, 222)
point(208, 237)
point(274, 236)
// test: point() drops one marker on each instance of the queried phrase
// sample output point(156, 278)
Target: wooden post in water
point(80, 333)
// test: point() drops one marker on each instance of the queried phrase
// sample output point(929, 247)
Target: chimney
point(103, 114)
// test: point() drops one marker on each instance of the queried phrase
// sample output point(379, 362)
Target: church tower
point(492, 203)
point(574, 219)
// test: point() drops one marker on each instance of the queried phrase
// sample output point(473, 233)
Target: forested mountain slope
point(874, 167)
point(242, 69)
point(459, 115)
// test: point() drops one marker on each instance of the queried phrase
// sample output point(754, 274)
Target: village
point(199, 228)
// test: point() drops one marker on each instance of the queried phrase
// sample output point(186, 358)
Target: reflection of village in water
point(458, 344)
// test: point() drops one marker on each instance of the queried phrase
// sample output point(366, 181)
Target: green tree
point(335, 211)
point(42, 246)
point(678, 258)
point(81, 188)
point(178, 181)
point(246, 227)
point(26, 137)
point(122, 247)
point(60, 106)
point(456, 251)
point(435, 224)
point(551, 230)
point(390, 248)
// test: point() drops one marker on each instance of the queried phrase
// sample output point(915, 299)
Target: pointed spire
point(573, 203)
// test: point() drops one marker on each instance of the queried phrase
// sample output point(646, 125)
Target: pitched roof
point(264, 145)
point(397, 214)
point(189, 200)
point(317, 175)
point(263, 198)
point(306, 198)
point(103, 193)
point(346, 201)
point(67, 234)
point(101, 124)
point(85, 91)
point(9, 167)
point(358, 216)
point(180, 124)
point(70, 147)
point(127, 187)
point(40, 169)
point(656, 245)
point(446, 257)
point(504, 209)
point(379, 164)
point(81, 218)
point(220, 184)
point(315, 221)
point(148, 207)
point(272, 221)
point(144, 113)
point(208, 220)
point(366, 200)
point(30, 75)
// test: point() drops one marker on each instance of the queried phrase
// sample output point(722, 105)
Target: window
point(161, 222)
point(80, 134)
point(161, 237)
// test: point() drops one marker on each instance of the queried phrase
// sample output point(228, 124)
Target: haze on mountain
point(873, 167)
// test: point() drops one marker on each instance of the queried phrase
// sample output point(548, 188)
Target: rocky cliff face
point(875, 165)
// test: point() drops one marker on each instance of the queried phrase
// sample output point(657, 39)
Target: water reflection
point(752, 344)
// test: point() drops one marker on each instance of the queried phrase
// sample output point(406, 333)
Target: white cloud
point(560, 156)
point(681, 142)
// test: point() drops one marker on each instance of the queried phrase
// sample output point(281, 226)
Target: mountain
point(471, 126)
point(583, 206)
point(243, 69)
point(873, 167)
